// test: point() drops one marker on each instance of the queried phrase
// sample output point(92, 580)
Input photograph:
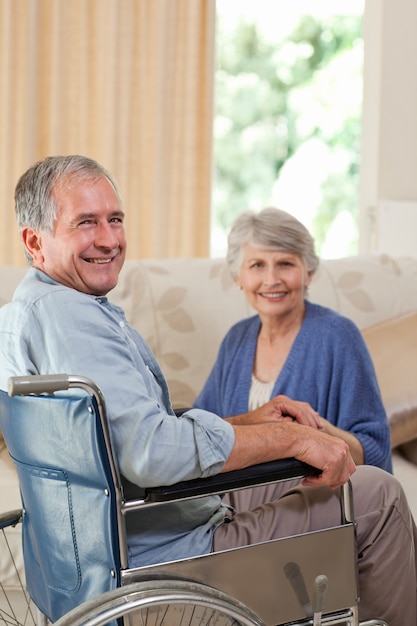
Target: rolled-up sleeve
point(214, 440)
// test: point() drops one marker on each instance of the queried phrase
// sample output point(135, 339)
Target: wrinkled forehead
point(72, 182)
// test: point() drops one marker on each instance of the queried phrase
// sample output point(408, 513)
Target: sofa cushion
point(183, 308)
point(409, 451)
point(393, 348)
point(367, 288)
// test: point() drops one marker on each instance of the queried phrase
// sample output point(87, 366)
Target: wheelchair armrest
point(261, 474)
point(10, 518)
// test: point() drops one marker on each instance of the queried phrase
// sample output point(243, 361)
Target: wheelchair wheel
point(162, 602)
point(16, 608)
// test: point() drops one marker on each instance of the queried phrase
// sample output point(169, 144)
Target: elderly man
point(71, 223)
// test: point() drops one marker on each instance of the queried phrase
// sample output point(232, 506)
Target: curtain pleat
point(127, 82)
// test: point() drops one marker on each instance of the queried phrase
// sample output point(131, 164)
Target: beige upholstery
point(393, 346)
point(409, 451)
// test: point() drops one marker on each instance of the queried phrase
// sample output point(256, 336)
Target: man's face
point(87, 248)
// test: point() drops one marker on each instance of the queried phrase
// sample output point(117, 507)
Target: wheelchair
point(74, 509)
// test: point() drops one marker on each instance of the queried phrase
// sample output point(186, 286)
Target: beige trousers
point(386, 532)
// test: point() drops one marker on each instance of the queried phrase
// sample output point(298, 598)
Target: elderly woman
point(293, 347)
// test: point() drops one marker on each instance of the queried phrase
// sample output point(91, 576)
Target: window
point(288, 116)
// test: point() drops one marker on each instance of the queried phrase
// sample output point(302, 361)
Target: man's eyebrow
point(91, 214)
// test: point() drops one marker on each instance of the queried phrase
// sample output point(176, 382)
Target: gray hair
point(271, 229)
point(35, 203)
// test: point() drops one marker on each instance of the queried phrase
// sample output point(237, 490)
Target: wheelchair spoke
point(163, 603)
point(16, 608)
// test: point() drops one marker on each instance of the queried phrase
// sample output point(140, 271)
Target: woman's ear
point(237, 282)
point(309, 277)
point(33, 244)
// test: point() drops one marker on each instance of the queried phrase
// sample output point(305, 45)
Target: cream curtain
point(127, 82)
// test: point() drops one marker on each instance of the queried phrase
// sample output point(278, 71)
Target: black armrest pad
point(180, 411)
point(273, 471)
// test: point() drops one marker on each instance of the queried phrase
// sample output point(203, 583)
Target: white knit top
point(259, 393)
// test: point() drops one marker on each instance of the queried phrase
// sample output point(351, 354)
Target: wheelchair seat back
point(69, 529)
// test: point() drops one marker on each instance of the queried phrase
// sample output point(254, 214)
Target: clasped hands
point(299, 431)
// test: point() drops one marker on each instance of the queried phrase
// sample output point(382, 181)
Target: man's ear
point(33, 244)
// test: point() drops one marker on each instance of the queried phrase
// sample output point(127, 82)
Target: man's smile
point(98, 261)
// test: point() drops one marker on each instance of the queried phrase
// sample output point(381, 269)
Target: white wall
point(389, 135)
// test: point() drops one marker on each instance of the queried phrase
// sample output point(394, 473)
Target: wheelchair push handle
point(26, 385)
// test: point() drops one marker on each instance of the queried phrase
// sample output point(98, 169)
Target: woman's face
point(274, 282)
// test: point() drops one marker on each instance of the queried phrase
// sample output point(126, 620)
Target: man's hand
point(328, 453)
point(353, 442)
point(279, 439)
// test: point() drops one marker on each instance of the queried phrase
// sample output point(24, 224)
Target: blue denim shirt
point(50, 328)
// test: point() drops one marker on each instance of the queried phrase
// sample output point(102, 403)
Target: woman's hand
point(281, 408)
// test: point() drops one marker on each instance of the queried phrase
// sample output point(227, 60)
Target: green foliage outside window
point(278, 100)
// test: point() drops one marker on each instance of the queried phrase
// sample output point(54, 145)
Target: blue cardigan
point(329, 367)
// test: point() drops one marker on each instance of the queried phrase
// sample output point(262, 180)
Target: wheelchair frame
point(16, 606)
point(291, 564)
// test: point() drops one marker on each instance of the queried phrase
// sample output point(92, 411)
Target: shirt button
point(121, 324)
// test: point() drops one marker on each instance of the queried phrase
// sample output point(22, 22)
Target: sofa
point(183, 308)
